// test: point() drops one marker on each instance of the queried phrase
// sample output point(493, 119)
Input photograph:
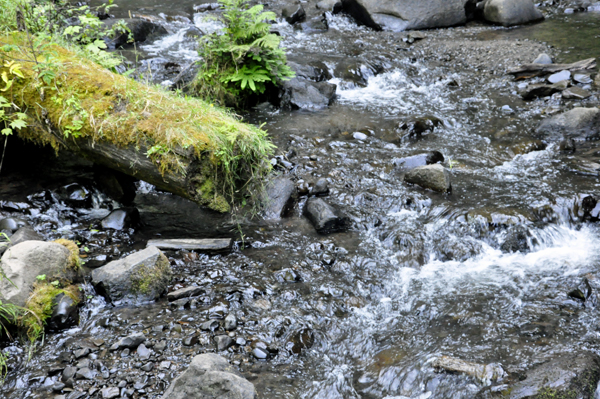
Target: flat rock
point(142, 276)
point(400, 15)
point(576, 93)
point(211, 245)
point(511, 12)
point(433, 177)
point(583, 78)
point(325, 218)
point(130, 342)
point(22, 264)
point(110, 393)
point(210, 376)
point(186, 292)
point(538, 90)
point(583, 123)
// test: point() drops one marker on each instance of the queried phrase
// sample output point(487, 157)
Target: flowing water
point(481, 274)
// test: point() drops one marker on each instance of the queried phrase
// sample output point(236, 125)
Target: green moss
point(89, 102)
point(550, 393)
point(147, 280)
point(40, 306)
point(74, 259)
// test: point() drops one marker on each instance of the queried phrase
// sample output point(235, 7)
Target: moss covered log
point(182, 145)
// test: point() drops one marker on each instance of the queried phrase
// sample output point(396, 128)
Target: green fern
point(242, 59)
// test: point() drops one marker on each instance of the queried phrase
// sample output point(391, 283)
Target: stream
point(481, 274)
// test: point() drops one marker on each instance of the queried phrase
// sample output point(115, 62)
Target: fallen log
point(181, 145)
point(532, 70)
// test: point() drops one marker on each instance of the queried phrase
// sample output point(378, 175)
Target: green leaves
point(242, 59)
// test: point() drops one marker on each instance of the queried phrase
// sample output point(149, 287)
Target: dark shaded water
point(419, 275)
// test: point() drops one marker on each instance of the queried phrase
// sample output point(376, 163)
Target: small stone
point(59, 386)
point(359, 136)
point(230, 322)
point(125, 352)
point(164, 365)
point(325, 218)
point(68, 372)
point(82, 352)
point(543, 59)
point(223, 342)
point(139, 385)
point(582, 78)
point(186, 292)
point(98, 342)
point(434, 177)
point(143, 352)
point(148, 367)
point(260, 353)
point(132, 341)
point(122, 384)
point(85, 373)
point(190, 341)
point(321, 187)
point(160, 346)
point(557, 77)
point(240, 341)
point(110, 393)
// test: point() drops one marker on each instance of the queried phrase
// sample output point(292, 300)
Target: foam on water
point(177, 45)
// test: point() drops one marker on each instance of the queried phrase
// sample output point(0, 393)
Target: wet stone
point(325, 218)
point(148, 367)
point(223, 342)
point(82, 352)
point(582, 292)
point(321, 187)
point(160, 346)
point(68, 372)
point(59, 386)
point(260, 353)
point(132, 341)
point(433, 177)
point(485, 373)
point(293, 14)
point(186, 292)
point(209, 245)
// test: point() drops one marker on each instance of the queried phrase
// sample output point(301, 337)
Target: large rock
point(574, 375)
point(434, 177)
point(511, 12)
point(325, 217)
point(142, 276)
point(141, 30)
point(582, 123)
point(300, 93)
point(399, 15)
point(22, 264)
point(210, 376)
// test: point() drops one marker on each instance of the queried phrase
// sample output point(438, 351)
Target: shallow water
point(420, 274)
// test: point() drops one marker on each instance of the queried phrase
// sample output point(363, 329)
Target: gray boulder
point(300, 93)
point(210, 376)
point(434, 177)
point(511, 12)
point(22, 264)
point(400, 15)
point(574, 375)
point(141, 30)
point(325, 217)
point(543, 59)
point(293, 14)
point(582, 123)
point(142, 276)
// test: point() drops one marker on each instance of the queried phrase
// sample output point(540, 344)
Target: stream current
point(480, 274)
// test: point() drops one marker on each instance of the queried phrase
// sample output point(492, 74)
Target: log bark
point(532, 70)
point(181, 145)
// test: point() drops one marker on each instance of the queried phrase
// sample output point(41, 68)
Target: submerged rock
point(22, 264)
point(434, 177)
point(511, 12)
point(486, 373)
point(403, 15)
point(325, 217)
point(142, 276)
point(300, 93)
point(210, 376)
point(583, 123)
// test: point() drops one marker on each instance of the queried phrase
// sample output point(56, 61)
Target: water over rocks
point(578, 123)
point(434, 177)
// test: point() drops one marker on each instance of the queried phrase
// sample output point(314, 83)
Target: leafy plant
point(243, 58)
